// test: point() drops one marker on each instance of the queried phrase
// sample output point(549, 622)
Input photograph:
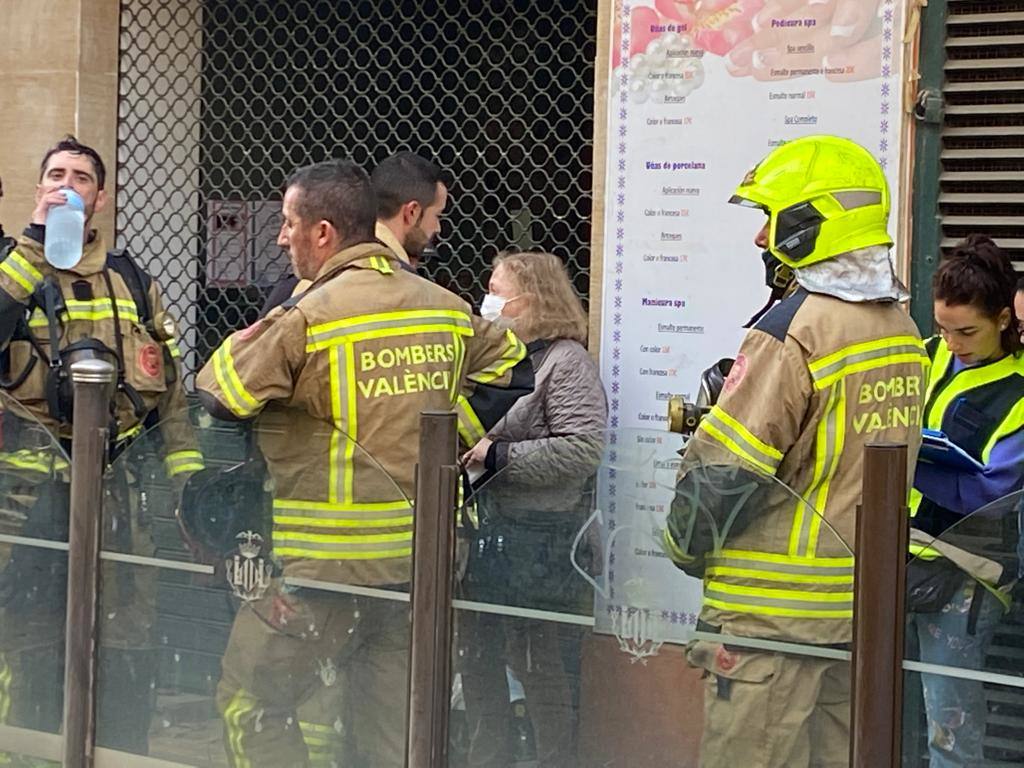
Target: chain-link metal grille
point(221, 99)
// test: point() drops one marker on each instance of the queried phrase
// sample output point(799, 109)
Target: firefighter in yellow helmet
point(834, 365)
point(338, 376)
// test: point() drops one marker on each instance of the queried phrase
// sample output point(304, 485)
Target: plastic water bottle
point(65, 228)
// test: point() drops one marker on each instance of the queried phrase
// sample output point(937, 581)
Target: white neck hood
point(866, 274)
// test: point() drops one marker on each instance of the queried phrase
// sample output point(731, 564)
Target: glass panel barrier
point(964, 692)
point(255, 612)
point(34, 511)
point(579, 643)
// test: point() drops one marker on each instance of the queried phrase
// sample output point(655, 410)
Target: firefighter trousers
point(33, 582)
point(771, 710)
point(285, 650)
point(32, 686)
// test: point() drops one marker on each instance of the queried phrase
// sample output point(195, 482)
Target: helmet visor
point(746, 202)
point(796, 231)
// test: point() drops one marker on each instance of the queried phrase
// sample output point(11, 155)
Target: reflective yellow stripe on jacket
point(514, 353)
point(815, 587)
point(236, 397)
point(384, 324)
point(866, 356)
point(34, 461)
point(828, 448)
point(470, 429)
point(292, 514)
point(183, 461)
point(93, 309)
point(729, 432)
point(21, 271)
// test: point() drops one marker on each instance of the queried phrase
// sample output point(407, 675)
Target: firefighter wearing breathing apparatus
point(834, 365)
point(104, 307)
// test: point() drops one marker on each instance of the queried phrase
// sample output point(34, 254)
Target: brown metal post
point(93, 381)
point(432, 567)
point(878, 618)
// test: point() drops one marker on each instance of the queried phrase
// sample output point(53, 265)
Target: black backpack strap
point(6, 244)
point(137, 280)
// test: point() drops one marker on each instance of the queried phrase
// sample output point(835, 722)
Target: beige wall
point(58, 74)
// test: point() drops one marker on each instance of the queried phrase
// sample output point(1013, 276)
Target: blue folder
point(939, 449)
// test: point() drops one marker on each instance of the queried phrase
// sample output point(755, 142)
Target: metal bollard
point(432, 568)
point(93, 382)
point(878, 613)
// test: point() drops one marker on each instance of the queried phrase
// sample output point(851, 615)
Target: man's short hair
point(402, 178)
point(70, 144)
point(338, 191)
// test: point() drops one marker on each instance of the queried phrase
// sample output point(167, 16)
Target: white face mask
point(490, 308)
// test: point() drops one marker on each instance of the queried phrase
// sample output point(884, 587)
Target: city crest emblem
point(247, 572)
point(634, 624)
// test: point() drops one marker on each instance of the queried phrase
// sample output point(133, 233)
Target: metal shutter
point(982, 179)
point(982, 190)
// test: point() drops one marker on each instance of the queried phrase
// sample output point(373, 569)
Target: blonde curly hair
point(552, 309)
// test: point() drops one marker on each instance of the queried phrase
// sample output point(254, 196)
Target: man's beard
point(415, 242)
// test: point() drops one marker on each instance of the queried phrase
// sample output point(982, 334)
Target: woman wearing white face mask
point(543, 456)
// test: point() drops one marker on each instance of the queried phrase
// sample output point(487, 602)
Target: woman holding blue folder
point(975, 398)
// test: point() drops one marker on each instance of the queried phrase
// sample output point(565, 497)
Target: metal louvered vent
point(982, 181)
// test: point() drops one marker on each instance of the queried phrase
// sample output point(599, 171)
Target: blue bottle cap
point(74, 200)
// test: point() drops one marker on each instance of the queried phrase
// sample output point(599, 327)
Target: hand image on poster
point(767, 41)
point(841, 39)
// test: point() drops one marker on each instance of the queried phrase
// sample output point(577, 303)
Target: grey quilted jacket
point(550, 443)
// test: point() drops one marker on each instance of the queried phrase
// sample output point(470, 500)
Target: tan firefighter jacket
point(471, 431)
point(149, 353)
point(816, 379)
point(339, 375)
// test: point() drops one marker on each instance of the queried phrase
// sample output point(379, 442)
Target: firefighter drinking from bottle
point(100, 306)
point(834, 365)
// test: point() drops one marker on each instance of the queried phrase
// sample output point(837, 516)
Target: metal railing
point(878, 630)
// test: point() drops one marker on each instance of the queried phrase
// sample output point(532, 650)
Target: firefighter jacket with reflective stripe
point(339, 375)
point(815, 380)
point(150, 364)
point(976, 407)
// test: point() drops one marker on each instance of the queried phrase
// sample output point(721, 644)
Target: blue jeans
point(956, 708)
